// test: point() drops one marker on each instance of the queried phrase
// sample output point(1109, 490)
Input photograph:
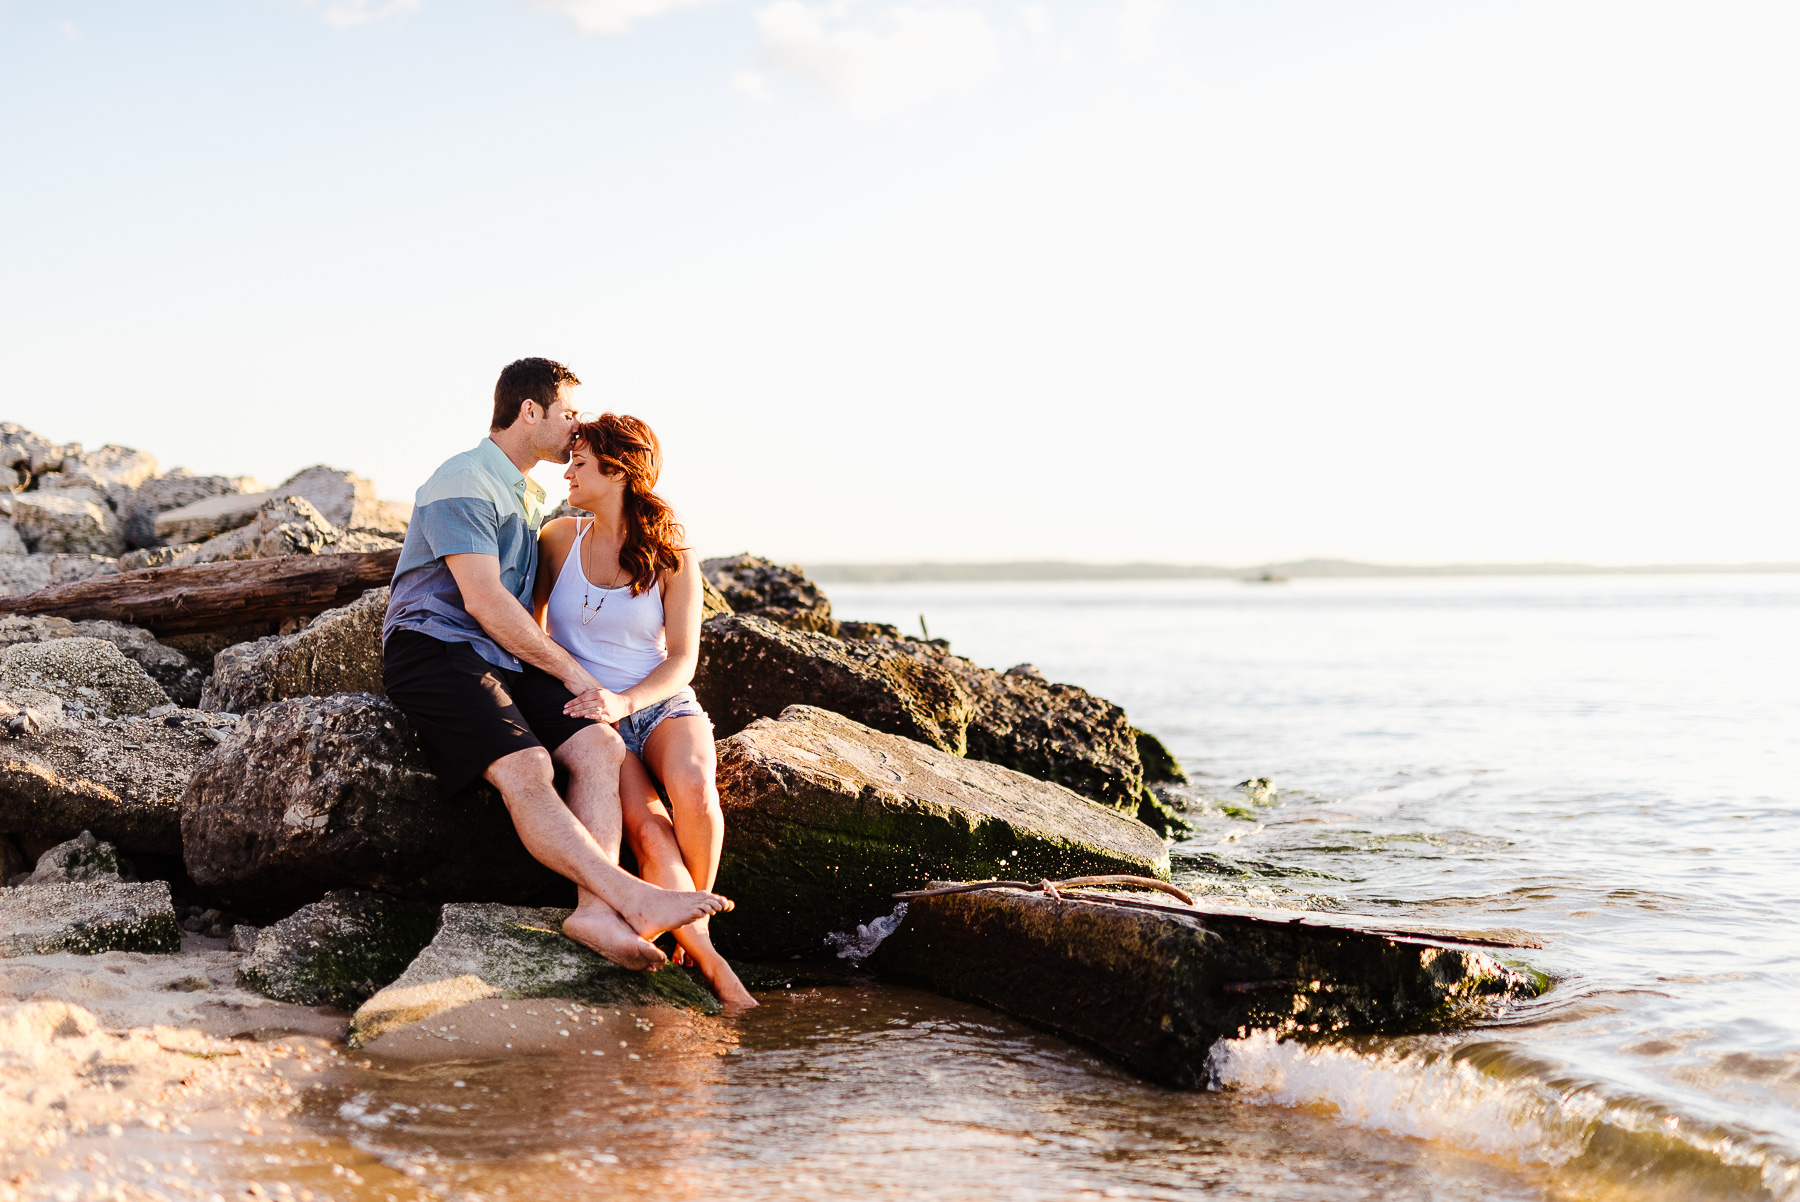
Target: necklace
point(586, 615)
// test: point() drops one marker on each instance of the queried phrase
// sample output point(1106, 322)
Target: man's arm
point(508, 623)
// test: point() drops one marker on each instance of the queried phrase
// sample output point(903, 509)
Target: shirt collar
point(497, 459)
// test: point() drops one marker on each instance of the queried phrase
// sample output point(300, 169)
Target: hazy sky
point(1095, 279)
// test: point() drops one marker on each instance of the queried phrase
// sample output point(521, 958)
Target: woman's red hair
point(624, 446)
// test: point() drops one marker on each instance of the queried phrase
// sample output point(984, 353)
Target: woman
point(621, 594)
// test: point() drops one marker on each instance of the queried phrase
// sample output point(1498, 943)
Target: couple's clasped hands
point(592, 700)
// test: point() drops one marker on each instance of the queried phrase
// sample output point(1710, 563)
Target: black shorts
point(468, 712)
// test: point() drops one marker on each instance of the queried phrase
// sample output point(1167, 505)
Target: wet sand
point(167, 1081)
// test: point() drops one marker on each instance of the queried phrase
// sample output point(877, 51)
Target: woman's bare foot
point(599, 927)
point(732, 994)
point(651, 911)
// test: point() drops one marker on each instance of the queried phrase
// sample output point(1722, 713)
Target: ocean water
point(1612, 763)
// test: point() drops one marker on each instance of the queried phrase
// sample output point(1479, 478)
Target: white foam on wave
point(1495, 1104)
point(860, 946)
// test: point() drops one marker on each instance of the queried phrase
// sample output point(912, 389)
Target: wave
point(1492, 1099)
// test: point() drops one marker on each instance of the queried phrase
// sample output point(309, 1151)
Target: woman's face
point(588, 485)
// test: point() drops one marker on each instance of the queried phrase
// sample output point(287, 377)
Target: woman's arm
point(553, 547)
point(681, 631)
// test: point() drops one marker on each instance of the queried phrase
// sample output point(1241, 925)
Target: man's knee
point(521, 771)
point(598, 748)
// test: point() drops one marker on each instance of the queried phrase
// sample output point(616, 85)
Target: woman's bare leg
point(680, 752)
point(652, 838)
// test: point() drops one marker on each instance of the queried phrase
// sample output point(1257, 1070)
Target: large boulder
point(751, 668)
point(76, 521)
point(24, 573)
point(337, 652)
point(318, 793)
point(180, 487)
point(61, 775)
point(31, 453)
point(200, 520)
point(283, 525)
point(90, 672)
point(784, 595)
point(113, 471)
point(346, 500)
point(484, 952)
point(826, 818)
point(164, 664)
point(339, 950)
point(10, 542)
point(87, 918)
point(1156, 988)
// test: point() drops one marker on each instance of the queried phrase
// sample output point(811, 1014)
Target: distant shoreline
point(898, 573)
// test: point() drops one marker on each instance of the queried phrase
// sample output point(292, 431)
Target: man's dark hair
point(527, 380)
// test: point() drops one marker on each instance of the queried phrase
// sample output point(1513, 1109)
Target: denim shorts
point(635, 728)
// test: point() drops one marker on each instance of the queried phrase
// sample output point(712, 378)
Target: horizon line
point(1063, 569)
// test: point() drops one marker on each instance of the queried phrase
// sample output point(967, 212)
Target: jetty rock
point(1155, 988)
point(83, 858)
point(164, 664)
point(826, 818)
point(339, 950)
point(751, 668)
point(750, 584)
point(313, 794)
point(86, 671)
point(62, 774)
point(75, 521)
point(88, 918)
point(339, 651)
point(342, 499)
point(173, 490)
point(494, 952)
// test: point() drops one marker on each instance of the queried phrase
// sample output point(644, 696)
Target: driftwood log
point(213, 596)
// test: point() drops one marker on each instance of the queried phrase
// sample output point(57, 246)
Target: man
point(486, 688)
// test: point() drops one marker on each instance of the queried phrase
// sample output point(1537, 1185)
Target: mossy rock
point(825, 819)
point(486, 951)
point(87, 918)
point(338, 951)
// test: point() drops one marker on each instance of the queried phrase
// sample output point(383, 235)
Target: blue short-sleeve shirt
point(477, 503)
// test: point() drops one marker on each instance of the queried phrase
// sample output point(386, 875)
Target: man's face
point(551, 438)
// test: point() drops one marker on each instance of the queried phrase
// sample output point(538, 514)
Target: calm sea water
point(1610, 762)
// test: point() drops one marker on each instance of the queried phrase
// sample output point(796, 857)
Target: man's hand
point(602, 704)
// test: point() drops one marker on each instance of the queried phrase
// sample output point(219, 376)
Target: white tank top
point(622, 639)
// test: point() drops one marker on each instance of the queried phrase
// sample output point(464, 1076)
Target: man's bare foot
point(652, 911)
point(600, 928)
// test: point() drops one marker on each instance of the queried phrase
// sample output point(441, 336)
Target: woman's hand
point(601, 704)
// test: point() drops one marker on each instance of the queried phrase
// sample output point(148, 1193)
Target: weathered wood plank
point(212, 596)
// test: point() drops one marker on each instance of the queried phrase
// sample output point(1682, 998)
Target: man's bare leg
point(593, 759)
point(652, 837)
point(556, 839)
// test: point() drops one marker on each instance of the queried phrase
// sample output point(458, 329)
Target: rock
point(242, 938)
point(177, 675)
point(285, 525)
point(10, 542)
point(180, 487)
point(87, 918)
point(712, 602)
point(339, 950)
point(204, 646)
point(24, 573)
point(497, 951)
point(752, 668)
point(75, 521)
point(1155, 989)
point(91, 672)
point(200, 520)
point(60, 776)
point(337, 652)
point(345, 499)
point(825, 818)
point(83, 858)
point(67, 569)
point(783, 595)
point(356, 541)
point(113, 471)
point(318, 793)
point(20, 448)
point(1160, 765)
point(12, 861)
point(151, 557)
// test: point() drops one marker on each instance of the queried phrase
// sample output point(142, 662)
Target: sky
point(1213, 281)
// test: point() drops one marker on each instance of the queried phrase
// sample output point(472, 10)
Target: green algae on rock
point(826, 818)
point(1156, 988)
point(495, 951)
point(338, 951)
point(88, 917)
